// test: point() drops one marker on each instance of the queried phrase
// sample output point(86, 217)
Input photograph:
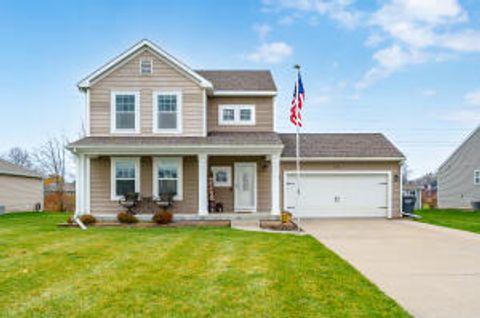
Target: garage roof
point(7, 168)
point(339, 146)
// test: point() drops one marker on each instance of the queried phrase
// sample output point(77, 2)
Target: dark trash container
point(476, 206)
point(409, 203)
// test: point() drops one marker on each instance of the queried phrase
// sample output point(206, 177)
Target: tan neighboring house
point(20, 189)
point(154, 125)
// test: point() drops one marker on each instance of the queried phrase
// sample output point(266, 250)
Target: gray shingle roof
point(239, 80)
point(217, 138)
point(340, 146)
point(7, 168)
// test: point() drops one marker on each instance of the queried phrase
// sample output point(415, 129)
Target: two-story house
point(154, 126)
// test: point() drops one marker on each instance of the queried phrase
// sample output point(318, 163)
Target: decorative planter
point(475, 205)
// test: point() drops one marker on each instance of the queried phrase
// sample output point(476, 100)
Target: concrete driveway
point(431, 271)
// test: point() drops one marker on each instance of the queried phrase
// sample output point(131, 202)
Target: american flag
point(298, 97)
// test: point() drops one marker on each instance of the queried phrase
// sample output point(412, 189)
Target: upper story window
point(146, 66)
point(167, 116)
point(476, 177)
point(125, 174)
point(236, 115)
point(125, 116)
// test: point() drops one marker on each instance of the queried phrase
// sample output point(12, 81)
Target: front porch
point(245, 187)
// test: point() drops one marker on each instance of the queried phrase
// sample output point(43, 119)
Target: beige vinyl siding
point(456, 188)
point(226, 195)
point(20, 193)
point(127, 77)
point(394, 167)
point(263, 113)
point(100, 188)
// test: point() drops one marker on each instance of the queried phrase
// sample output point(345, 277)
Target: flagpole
point(297, 137)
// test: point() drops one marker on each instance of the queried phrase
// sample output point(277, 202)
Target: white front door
point(245, 187)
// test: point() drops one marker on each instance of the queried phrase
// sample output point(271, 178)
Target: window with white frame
point(168, 177)
point(167, 110)
point(222, 176)
point(125, 115)
point(125, 174)
point(476, 177)
point(146, 66)
point(236, 115)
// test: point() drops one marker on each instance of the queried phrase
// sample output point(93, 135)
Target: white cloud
point(338, 10)
point(390, 60)
point(473, 98)
point(262, 30)
point(273, 52)
point(374, 40)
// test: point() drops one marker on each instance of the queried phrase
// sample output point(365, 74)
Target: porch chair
point(130, 201)
point(165, 201)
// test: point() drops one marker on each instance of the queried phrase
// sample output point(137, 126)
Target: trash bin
point(409, 203)
point(476, 206)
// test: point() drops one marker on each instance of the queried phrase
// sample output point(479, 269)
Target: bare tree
point(51, 159)
point(19, 157)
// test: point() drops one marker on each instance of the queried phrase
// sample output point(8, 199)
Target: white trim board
point(243, 93)
point(344, 172)
point(130, 53)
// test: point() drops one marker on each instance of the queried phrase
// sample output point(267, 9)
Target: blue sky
point(406, 68)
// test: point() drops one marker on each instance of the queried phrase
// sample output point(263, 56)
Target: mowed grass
point(456, 219)
point(47, 271)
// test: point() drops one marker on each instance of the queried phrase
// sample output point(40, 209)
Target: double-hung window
point(125, 112)
point(168, 177)
point(237, 115)
point(125, 174)
point(167, 112)
point(476, 177)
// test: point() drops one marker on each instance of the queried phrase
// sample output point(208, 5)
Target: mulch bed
point(176, 224)
point(278, 225)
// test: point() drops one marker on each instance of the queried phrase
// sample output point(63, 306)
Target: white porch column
point(87, 185)
point(275, 163)
point(79, 184)
point(202, 184)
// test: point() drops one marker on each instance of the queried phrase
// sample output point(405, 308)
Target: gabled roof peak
point(174, 62)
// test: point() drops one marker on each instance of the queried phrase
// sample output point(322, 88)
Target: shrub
point(163, 217)
point(88, 219)
point(128, 218)
point(70, 220)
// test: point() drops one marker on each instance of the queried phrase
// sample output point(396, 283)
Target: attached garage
point(342, 176)
point(339, 194)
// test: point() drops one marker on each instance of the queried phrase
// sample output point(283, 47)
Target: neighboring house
point(20, 189)
point(154, 125)
point(459, 176)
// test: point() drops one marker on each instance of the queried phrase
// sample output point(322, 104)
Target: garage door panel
point(338, 195)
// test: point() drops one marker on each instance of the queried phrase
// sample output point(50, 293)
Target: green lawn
point(47, 271)
point(456, 219)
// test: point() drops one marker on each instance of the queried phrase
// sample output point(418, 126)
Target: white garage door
point(337, 194)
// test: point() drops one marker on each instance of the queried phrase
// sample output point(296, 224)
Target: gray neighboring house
point(459, 176)
point(20, 189)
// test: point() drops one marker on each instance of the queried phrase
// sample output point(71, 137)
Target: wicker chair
point(165, 201)
point(130, 201)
